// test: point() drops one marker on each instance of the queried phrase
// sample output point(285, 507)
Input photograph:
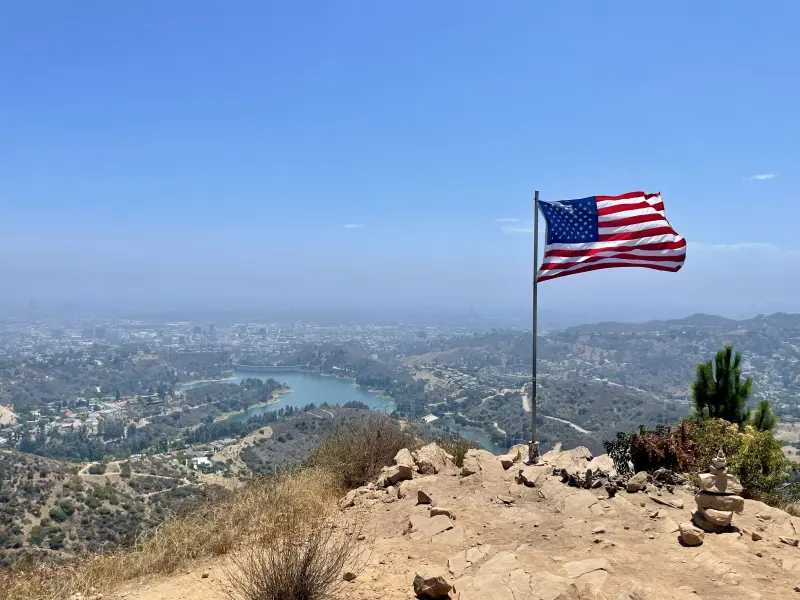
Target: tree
point(763, 418)
point(718, 391)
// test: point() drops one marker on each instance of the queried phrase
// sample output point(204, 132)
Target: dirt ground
point(511, 542)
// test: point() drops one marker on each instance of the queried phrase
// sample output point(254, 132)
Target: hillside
point(62, 509)
point(549, 541)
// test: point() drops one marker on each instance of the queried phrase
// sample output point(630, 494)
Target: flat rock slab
point(460, 562)
point(594, 580)
point(450, 537)
point(575, 569)
point(720, 484)
point(423, 528)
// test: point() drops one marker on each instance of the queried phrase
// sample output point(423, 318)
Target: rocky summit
point(498, 529)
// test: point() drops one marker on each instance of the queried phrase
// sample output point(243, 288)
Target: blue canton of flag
point(571, 221)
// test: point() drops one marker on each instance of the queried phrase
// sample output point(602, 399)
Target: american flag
point(602, 232)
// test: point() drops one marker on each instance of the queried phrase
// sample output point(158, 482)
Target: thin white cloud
point(517, 230)
point(764, 176)
point(354, 226)
point(750, 246)
point(507, 220)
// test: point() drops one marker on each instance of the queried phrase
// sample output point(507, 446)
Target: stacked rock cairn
point(718, 498)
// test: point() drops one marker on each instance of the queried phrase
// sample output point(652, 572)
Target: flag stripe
point(634, 234)
point(646, 215)
point(585, 268)
point(658, 247)
point(631, 231)
point(654, 255)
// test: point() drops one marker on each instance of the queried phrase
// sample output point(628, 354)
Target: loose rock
point(691, 535)
point(432, 587)
point(423, 498)
point(637, 483)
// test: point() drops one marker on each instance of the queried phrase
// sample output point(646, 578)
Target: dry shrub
point(301, 560)
point(248, 515)
point(457, 447)
point(357, 450)
point(664, 447)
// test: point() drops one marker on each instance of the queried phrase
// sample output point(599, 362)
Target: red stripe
point(613, 209)
point(547, 276)
point(622, 256)
point(635, 235)
point(627, 196)
point(659, 246)
point(649, 218)
point(648, 196)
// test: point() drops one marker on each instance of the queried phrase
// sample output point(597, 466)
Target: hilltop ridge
point(494, 528)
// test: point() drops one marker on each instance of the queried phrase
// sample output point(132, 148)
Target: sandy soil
point(7, 416)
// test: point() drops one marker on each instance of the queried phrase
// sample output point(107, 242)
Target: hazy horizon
point(320, 158)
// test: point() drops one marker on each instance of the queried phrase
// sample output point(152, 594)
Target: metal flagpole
point(533, 448)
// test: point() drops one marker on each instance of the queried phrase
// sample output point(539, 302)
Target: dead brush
point(244, 516)
point(301, 560)
point(357, 450)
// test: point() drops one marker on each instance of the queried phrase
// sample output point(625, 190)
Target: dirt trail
point(531, 543)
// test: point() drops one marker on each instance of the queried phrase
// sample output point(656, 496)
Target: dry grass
point(304, 560)
point(457, 447)
point(358, 450)
point(247, 516)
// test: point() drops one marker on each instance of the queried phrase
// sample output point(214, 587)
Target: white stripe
point(631, 228)
point(643, 263)
point(655, 200)
point(654, 239)
point(607, 203)
point(627, 214)
point(611, 253)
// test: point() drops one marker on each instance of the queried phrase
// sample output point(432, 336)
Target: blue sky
point(216, 153)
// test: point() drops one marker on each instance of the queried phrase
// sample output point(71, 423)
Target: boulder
point(637, 483)
point(532, 476)
point(691, 535)
point(699, 519)
point(515, 455)
point(394, 474)
point(723, 483)
point(575, 460)
point(423, 498)
point(349, 500)
point(718, 517)
point(718, 502)
point(431, 586)
point(470, 466)
point(602, 464)
point(404, 459)
point(443, 510)
point(431, 459)
point(483, 462)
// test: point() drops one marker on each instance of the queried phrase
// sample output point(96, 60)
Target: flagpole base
point(533, 453)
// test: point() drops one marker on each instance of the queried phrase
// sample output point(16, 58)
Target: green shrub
point(57, 514)
point(754, 457)
point(97, 469)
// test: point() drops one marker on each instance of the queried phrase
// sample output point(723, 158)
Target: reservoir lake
point(313, 388)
